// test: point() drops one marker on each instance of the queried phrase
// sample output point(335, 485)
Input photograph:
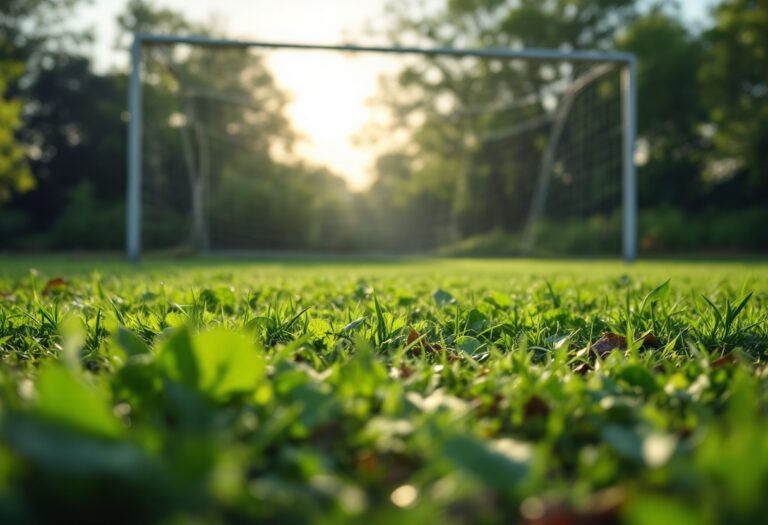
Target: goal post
point(629, 169)
point(626, 62)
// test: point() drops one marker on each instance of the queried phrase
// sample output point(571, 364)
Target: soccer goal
point(264, 147)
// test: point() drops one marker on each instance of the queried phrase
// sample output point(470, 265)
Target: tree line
point(703, 125)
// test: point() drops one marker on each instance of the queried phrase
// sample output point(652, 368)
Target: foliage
point(664, 230)
point(593, 237)
point(736, 83)
point(75, 137)
point(688, 120)
point(487, 182)
point(669, 119)
point(15, 175)
point(451, 391)
point(28, 27)
point(667, 230)
point(87, 223)
point(299, 207)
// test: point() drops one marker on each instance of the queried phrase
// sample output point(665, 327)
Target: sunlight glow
point(329, 109)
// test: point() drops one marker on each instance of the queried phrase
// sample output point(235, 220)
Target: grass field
point(548, 392)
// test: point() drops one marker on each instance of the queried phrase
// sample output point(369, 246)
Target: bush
point(662, 231)
point(13, 225)
point(87, 223)
point(668, 230)
point(740, 230)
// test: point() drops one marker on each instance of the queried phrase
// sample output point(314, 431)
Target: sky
point(326, 111)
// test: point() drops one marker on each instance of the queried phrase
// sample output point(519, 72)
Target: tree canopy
point(219, 137)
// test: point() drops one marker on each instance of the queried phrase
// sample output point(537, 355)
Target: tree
point(216, 132)
point(671, 111)
point(28, 26)
point(76, 135)
point(735, 77)
point(15, 175)
point(214, 95)
point(25, 28)
point(474, 108)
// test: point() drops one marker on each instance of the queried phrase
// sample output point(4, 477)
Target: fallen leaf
point(651, 341)
point(57, 283)
point(414, 336)
point(725, 360)
point(607, 343)
point(406, 371)
point(610, 341)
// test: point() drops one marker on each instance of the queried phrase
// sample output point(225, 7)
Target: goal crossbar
point(627, 61)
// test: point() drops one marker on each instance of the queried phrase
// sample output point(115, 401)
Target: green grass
point(379, 391)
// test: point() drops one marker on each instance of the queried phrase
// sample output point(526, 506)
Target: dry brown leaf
point(725, 360)
point(651, 341)
point(610, 341)
point(406, 371)
point(607, 343)
point(414, 336)
point(57, 283)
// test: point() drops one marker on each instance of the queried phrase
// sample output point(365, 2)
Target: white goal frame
point(626, 61)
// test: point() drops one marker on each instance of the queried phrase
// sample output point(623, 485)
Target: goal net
point(268, 148)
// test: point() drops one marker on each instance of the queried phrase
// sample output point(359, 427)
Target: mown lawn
point(546, 392)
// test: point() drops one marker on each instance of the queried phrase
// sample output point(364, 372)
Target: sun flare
point(329, 92)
